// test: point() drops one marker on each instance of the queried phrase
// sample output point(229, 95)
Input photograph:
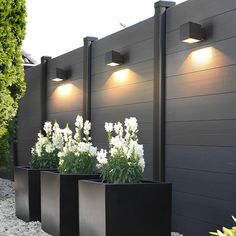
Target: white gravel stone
point(10, 225)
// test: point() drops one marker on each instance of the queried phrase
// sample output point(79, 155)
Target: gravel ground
point(10, 225)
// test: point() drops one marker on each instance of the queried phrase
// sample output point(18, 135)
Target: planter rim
point(67, 174)
point(40, 169)
point(144, 182)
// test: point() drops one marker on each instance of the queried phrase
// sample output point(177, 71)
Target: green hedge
point(12, 84)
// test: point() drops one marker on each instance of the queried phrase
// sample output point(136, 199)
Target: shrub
point(125, 162)
point(78, 155)
point(12, 85)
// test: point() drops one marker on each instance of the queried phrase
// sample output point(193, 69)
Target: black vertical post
point(87, 77)
point(159, 89)
point(44, 80)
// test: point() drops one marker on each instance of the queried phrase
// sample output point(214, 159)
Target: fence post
point(159, 89)
point(87, 77)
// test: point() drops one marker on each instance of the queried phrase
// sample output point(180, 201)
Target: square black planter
point(27, 193)
point(124, 209)
point(59, 203)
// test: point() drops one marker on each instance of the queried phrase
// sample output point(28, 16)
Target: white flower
point(101, 156)
point(108, 127)
point(49, 148)
point(118, 129)
point(131, 124)
point(47, 128)
point(117, 142)
point(79, 122)
point(142, 163)
point(56, 126)
point(113, 151)
point(61, 161)
point(67, 133)
point(87, 127)
point(93, 151)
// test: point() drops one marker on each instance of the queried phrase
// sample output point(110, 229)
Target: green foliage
point(46, 160)
point(5, 142)
point(120, 170)
point(74, 164)
point(12, 85)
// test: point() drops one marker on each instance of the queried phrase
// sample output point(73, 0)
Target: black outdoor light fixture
point(61, 75)
point(191, 32)
point(114, 58)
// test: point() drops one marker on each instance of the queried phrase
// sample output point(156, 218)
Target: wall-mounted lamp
point(114, 58)
point(61, 75)
point(191, 32)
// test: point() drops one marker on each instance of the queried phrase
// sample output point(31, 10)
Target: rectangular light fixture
point(113, 58)
point(191, 33)
point(61, 75)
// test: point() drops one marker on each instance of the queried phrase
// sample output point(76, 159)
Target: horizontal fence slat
point(212, 107)
point(213, 133)
point(213, 159)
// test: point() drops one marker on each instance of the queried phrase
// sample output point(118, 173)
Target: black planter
point(59, 203)
point(27, 193)
point(124, 209)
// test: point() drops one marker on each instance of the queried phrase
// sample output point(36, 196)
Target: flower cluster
point(124, 163)
point(226, 231)
point(78, 154)
point(44, 153)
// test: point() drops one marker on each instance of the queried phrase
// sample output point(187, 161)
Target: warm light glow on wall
point(66, 96)
point(64, 90)
point(121, 76)
point(202, 56)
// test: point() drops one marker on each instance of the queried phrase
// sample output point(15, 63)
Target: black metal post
point(44, 80)
point(87, 77)
point(159, 89)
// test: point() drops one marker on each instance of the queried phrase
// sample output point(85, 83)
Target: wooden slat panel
point(214, 34)
point(191, 226)
point(135, 53)
point(134, 93)
point(213, 107)
point(129, 36)
point(142, 111)
point(219, 80)
point(195, 11)
point(213, 211)
point(137, 73)
point(207, 184)
point(29, 114)
point(67, 97)
point(64, 118)
point(214, 159)
point(215, 133)
point(215, 55)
